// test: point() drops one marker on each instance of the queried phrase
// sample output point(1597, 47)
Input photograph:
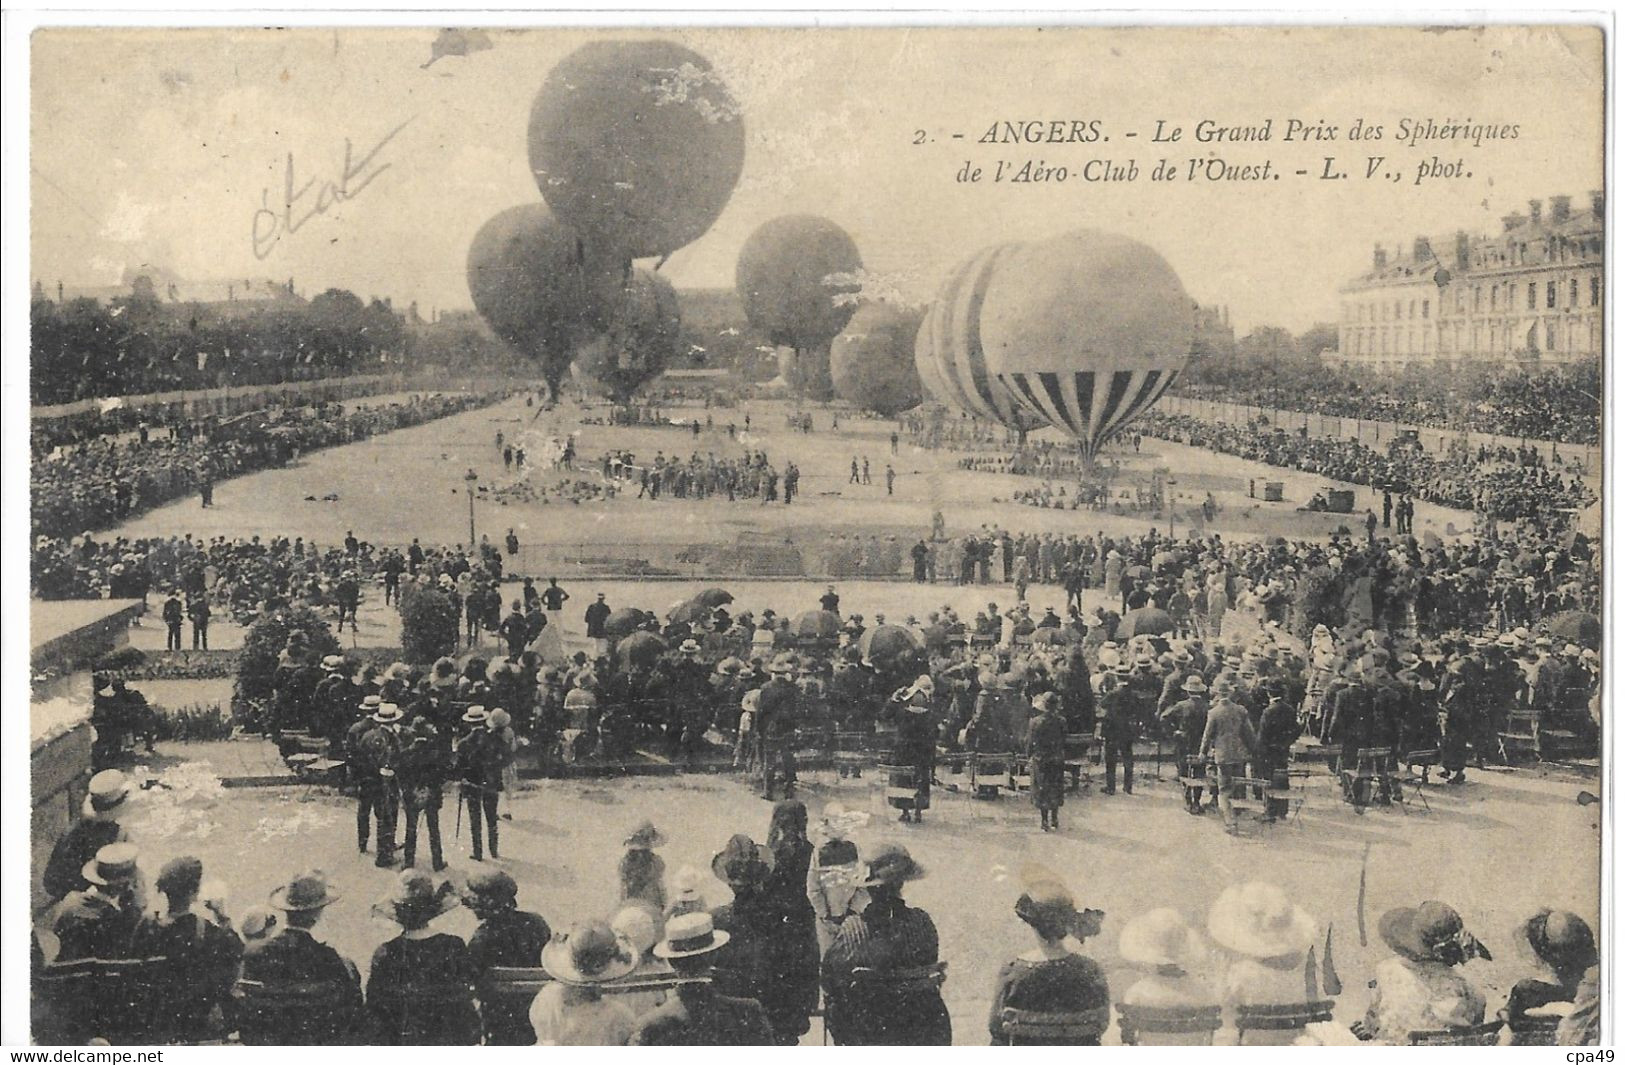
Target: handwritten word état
point(303, 201)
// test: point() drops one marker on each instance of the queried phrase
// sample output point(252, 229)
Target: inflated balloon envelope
point(1088, 330)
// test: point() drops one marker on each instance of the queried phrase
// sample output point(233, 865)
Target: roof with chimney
point(1579, 225)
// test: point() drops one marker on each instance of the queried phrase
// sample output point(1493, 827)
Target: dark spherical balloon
point(637, 144)
point(642, 338)
point(872, 362)
point(525, 272)
point(784, 278)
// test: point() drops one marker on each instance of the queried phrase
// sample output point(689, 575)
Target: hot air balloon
point(871, 364)
point(790, 277)
point(641, 339)
point(949, 350)
point(1087, 330)
point(527, 277)
point(637, 144)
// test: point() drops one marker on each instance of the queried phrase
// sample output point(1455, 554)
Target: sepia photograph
point(866, 536)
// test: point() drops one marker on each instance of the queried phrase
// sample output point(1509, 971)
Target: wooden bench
point(1082, 1028)
point(1282, 1017)
point(1135, 1022)
point(106, 998)
point(1487, 1034)
point(298, 1013)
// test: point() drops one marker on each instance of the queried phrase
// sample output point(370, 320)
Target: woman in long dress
point(914, 751)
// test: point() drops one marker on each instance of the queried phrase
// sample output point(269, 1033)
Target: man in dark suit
point(98, 921)
point(97, 827)
point(595, 617)
point(374, 744)
point(1119, 723)
point(300, 991)
point(174, 614)
point(777, 712)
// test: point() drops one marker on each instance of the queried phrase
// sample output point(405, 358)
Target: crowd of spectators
point(749, 476)
point(1553, 406)
point(108, 479)
point(1501, 483)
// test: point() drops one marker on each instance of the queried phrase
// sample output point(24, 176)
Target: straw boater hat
point(1158, 937)
point(1421, 933)
point(1194, 685)
point(1258, 920)
point(689, 935)
point(475, 715)
point(370, 704)
point(114, 865)
point(689, 647)
point(591, 953)
point(307, 891)
point(106, 792)
point(892, 866)
point(645, 836)
point(387, 714)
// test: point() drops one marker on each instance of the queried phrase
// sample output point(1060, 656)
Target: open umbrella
point(639, 649)
point(884, 644)
point(817, 625)
point(1145, 621)
point(689, 611)
point(713, 598)
point(623, 621)
point(1578, 626)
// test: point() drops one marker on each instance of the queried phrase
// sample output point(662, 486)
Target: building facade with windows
point(1531, 296)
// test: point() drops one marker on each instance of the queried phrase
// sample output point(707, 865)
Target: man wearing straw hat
point(479, 768)
point(105, 799)
point(98, 921)
point(697, 1015)
point(375, 747)
point(295, 958)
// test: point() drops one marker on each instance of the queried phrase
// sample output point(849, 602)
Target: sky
point(158, 146)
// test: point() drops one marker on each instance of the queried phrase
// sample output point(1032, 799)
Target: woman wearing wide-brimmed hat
point(573, 1010)
point(506, 936)
point(420, 990)
point(1046, 759)
point(914, 751)
point(1052, 978)
point(1266, 937)
point(764, 959)
point(866, 1003)
point(1421, 986)
point(1169, 954)
point(642, 872)
point(1561, 943)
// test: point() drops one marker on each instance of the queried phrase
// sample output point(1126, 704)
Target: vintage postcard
point(778, 536)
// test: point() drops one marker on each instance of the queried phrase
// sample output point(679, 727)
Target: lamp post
point(471, 479)
point(1171, 484)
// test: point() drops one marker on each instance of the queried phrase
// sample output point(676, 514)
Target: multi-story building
point(1530, 295)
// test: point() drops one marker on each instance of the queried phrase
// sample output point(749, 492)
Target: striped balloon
point(1086, 330)
point(948, 352)
point(1090, 404)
